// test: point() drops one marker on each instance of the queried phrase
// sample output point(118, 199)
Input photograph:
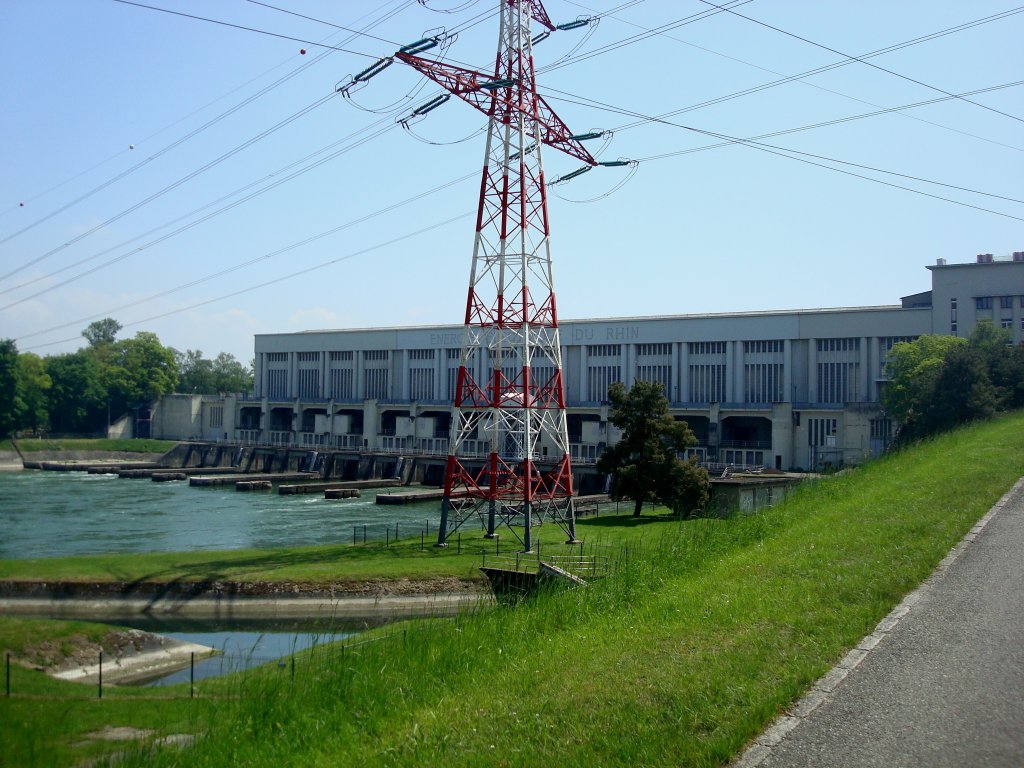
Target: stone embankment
point(390, 598)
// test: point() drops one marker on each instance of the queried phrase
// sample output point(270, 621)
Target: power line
point(816, 86)
point(246, 29)
point(188, 177)
point(278, 280)
point(277, 181)
point(771, 149)
point(231, 110)
point(321, 21)
point(833, 65)
point(256, 260)
point(694, 17)
point(863, 61)
point(861, 116)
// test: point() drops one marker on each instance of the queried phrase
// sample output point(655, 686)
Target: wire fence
point(197, 677)
point(391, 533)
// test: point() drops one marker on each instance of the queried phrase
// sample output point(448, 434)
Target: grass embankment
point(328, 564)
point(38, 445)
point(705, 633)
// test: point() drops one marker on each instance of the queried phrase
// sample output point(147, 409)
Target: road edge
point(762, 746)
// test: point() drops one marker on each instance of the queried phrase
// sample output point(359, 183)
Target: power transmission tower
point(508, 454)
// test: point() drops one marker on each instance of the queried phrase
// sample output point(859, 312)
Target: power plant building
point(785, 389)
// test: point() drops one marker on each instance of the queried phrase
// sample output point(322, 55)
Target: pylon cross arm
point(468, 85)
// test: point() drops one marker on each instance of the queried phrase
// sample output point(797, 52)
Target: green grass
point(326, 563)
point(33, 445)
point(708, 629)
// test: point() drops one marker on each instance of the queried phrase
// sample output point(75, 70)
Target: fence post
point(100, 687)
point(192, 675)
point(293, 662)
point(396, 530)
point(354, 542)
point(497, 543)
point(427, 523)
point(364, 533)
point(387, 536)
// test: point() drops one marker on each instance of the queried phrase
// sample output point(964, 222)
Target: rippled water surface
point(46, 514)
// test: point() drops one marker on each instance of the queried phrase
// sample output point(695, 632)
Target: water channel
point(53, 514)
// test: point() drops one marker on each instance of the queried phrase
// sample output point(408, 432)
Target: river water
point(49, 514)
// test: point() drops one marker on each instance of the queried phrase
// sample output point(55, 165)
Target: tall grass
point(707, 629)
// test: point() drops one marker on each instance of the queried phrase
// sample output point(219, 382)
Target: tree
point(230, 375)
point(102, 332)
point(963, 391)
point(993, 346)
point(195, 374)
point(77, 399)
point(913, 368)
point(646, 461)
point(10, 405)
point(222, 374)
point(33, 385)
point(141, 370)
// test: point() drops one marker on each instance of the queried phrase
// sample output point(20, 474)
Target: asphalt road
point(943, 684)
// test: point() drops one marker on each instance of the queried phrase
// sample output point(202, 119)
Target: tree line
point(80, 392)
point(937, 383)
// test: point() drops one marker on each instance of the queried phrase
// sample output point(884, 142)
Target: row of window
point(696, 348)
point(376, 383)
point(837, 382)
point(1005, 302)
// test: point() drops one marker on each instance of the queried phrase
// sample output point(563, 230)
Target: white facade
point(793, 389)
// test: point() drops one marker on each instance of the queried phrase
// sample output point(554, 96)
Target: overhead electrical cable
point(868, 63)
point(321, 21)
point(863, 115)
point(278, 280)
point(827, 67)
point(274, 178)
point(771, 149)
point(699, 16)
point(246, 29)
point(256, 260)
point(816, 86)
point(174, 185)
point(191, 134)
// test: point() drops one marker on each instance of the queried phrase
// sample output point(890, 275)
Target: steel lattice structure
point(508, 459)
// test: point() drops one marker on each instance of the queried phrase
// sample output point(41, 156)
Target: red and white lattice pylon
point(508, 454)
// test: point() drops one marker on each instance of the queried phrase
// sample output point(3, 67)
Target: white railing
point(432, 446)
point(349, 441)
point(583, 453)
point(280, 438)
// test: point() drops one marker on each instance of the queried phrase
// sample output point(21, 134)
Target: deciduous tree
point(77, 399)
point(33, 387)
point(9, 402)
point(645, 461)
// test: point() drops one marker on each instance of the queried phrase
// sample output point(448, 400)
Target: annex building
point(785, 389)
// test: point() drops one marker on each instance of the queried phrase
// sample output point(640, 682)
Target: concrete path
point(939, 683)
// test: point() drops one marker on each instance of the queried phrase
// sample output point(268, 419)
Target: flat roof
point(631, 318)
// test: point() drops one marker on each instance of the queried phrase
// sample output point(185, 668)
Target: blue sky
point(112, 113)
